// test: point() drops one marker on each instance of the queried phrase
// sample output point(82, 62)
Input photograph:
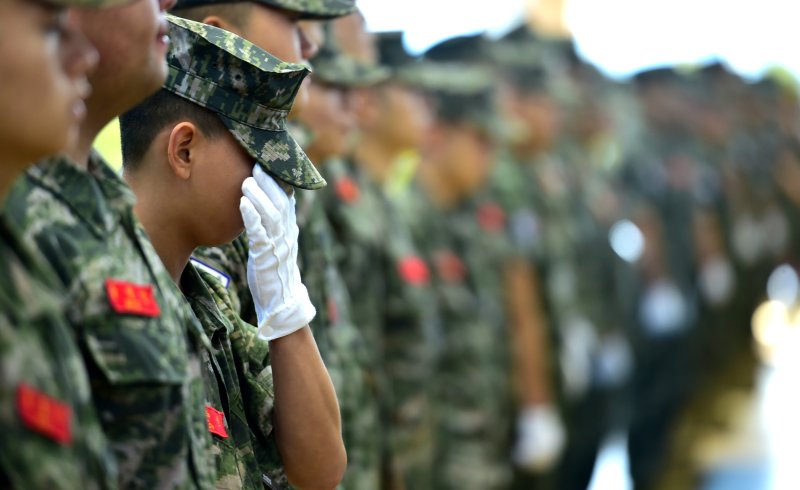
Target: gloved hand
point(540, 439)
point(281, 299)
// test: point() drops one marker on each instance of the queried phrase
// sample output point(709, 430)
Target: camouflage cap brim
point(343, 71)
point(278, 154)
point(315, 9)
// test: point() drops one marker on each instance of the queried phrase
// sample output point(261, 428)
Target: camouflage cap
point(460, 84)
point(334, 67)
point(402, 66)
point(523, 58)
point(251, 91)
point(308, 9)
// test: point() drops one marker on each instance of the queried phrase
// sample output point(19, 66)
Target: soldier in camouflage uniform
point(52, 436)
point(395, 310)
point(339, 341)
point(235, 106)
point(138, 340)
point(349, 346)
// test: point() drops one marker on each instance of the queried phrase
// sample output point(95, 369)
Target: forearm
point(306, 414)
point(528, 334)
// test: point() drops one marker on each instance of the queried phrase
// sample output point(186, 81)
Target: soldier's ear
point(217, 21)
point(183, 149)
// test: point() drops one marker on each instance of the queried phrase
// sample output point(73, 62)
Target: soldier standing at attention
point(395, 308)
point(139, 342)
point(51, 433)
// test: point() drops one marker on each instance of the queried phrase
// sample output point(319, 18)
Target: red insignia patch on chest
point(414, 271)
point(216, 422)
point(347, 190)
point(450, 267)
point(127, 298)
point(44, 414)
point(491, 217)
point(333, 312)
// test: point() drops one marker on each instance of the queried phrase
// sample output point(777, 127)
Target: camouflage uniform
point(238, 378)
point(472, 392)
point(341, 345)
point(396, 311)
point(339, 341)
point(238, 383)
point(138, 339)
point(51, 433)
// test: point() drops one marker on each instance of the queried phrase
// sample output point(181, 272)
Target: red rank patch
point(43, 414)
point(491, 217)
point(127, 298)
point(333, 312)
point(216, 422)
point(414, 271)
point(450, 267)
point(347, 190)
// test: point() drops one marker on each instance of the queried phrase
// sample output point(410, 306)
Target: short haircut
point(237, 13)
point(140, 125)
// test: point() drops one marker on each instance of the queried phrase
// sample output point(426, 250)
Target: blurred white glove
point(540, 439)
point(280, 298)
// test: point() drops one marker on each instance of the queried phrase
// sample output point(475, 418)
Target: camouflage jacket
point(51, 434)
point(341, 345)
point(239, 387)
point(472, 394)
point(396, 309)
point(140, 341)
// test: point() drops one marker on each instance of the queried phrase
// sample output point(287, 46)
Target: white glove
point(280, 298)
point(540, 439)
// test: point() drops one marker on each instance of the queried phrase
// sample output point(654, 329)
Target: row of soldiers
point(512, 255)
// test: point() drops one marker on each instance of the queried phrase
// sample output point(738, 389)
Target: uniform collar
point(96, 195)
point(199, 295)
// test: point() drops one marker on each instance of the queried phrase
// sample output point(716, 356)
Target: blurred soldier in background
point(329, 124)
point(380, 263)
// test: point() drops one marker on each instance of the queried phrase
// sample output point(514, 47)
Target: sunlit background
point(620, 36)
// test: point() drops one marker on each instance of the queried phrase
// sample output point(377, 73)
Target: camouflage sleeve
point(51, 434)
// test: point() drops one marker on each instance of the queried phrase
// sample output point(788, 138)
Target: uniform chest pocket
point(135, 342)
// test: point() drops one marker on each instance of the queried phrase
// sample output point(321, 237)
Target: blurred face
point(216, 184)
point(405, 116)
point(536, 116)
point(280, 33)
point(330, 120)
point(44, 61)
point(464, 157)
point(132, 43)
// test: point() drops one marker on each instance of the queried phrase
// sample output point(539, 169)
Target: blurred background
point(739, 427)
